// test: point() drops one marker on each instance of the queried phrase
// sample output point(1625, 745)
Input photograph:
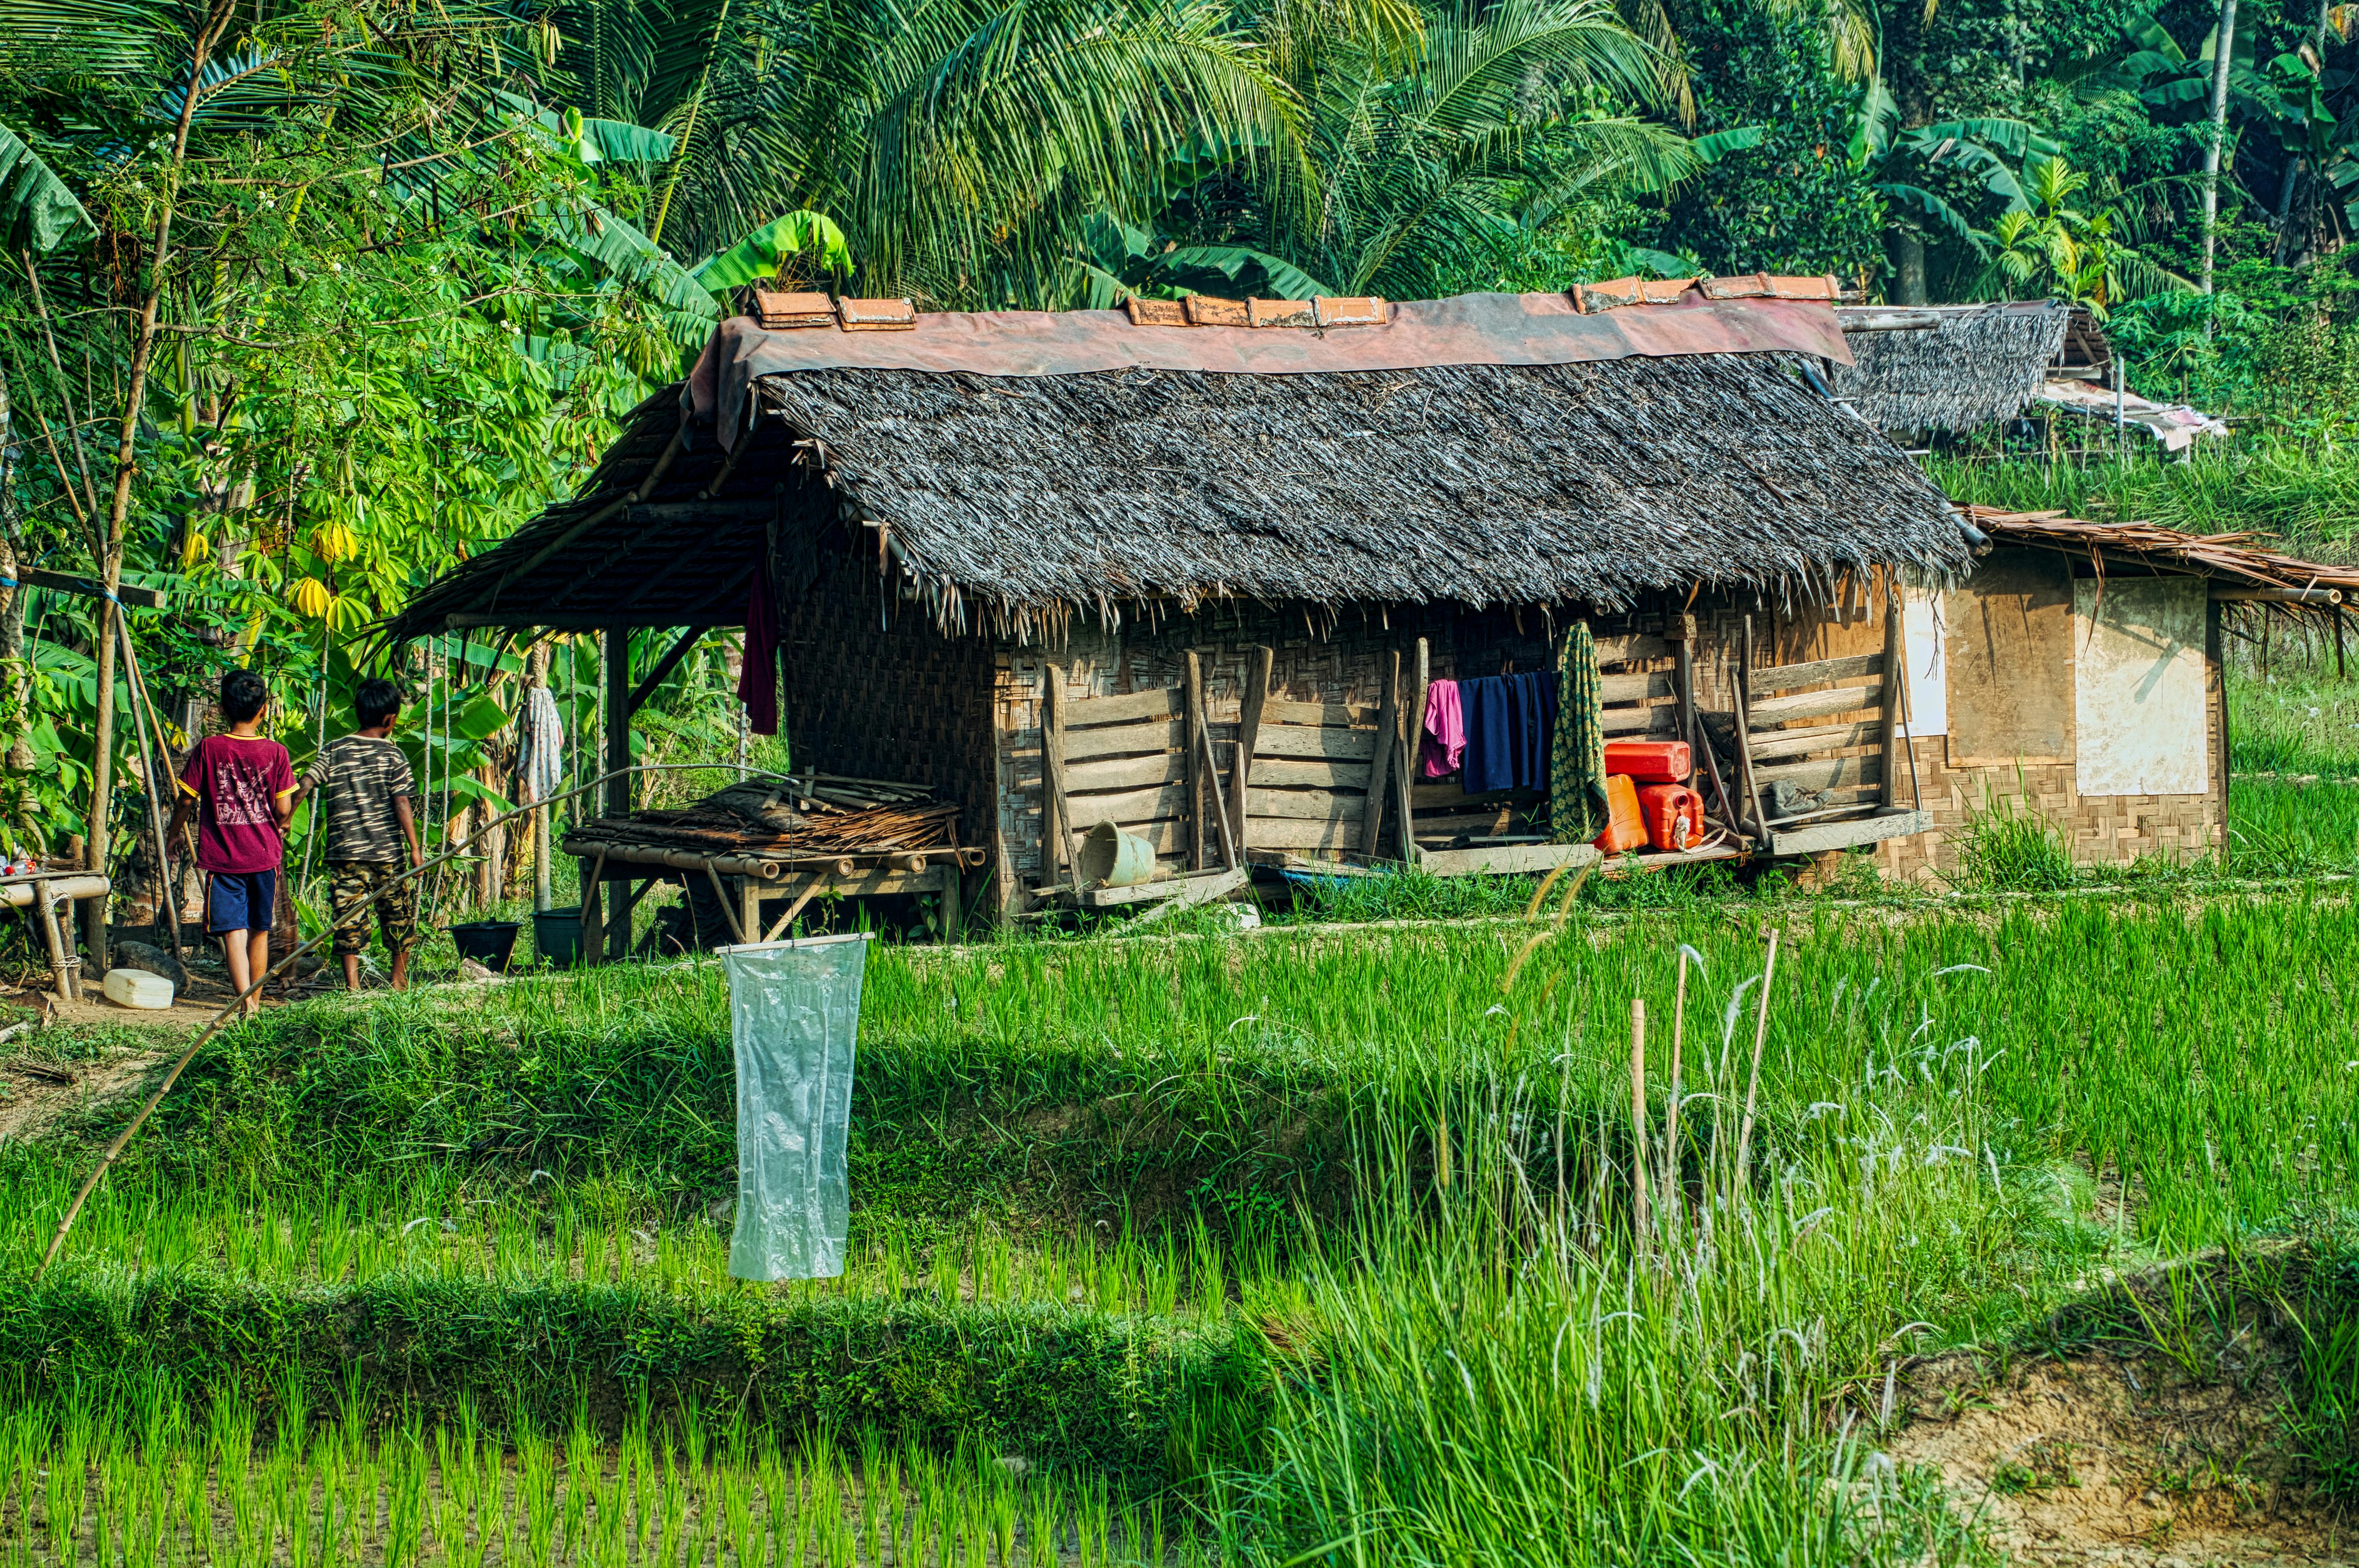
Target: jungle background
point(304, 301)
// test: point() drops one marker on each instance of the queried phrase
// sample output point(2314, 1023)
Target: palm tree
point(1417, 162)
point(961, 145)
point(979, 153)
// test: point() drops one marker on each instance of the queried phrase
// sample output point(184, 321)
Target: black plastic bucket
point(557, 933)
point(488, 942)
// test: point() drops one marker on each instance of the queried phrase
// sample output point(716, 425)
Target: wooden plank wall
point(1315, 660)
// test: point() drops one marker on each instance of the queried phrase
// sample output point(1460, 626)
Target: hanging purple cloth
point(1444, 745)
point(757, 676)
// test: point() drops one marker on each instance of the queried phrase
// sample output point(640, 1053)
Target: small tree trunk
point(216, 21)
point(1908, 265)
point(15, 669)
point(2225, 44)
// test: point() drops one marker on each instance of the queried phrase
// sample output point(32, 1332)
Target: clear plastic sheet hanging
point(794, 1013)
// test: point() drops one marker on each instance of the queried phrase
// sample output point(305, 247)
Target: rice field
point(138, 1481)
point(1600, 1240)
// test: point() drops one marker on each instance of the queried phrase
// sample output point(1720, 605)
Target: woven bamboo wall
point(2100, 830)
point(871, 690)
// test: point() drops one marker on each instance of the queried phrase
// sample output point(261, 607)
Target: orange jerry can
point(1625, 829)
point(1650, 761)
point(1673, 815)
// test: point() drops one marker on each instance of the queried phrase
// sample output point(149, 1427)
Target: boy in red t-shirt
point(239, 787)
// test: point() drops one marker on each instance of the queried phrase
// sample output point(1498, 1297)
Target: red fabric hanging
point(757, 677)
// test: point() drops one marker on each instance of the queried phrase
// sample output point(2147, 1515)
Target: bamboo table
point(42, 891)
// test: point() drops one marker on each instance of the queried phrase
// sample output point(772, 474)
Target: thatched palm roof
point(1003, 501)
point(1981, 363)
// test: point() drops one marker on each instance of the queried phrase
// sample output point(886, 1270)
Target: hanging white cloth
point(541, 745)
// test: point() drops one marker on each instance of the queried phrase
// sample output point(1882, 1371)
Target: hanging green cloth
point(1577, 809)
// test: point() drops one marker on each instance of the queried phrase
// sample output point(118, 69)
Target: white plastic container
point(137, 987)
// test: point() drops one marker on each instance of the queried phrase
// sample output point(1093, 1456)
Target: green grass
point(2294, 721)
point(2302, 500)
point(139, 1477)
point(1315, 1241)
point(1064, 1084)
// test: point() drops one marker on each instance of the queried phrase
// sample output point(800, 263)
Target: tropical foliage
point(302, 301)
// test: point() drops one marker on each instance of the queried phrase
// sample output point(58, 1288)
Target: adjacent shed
point(1942, 369)
point(2076, 678)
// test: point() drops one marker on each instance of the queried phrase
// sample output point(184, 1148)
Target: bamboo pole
point(1670, 1183)
point(1638, 1118)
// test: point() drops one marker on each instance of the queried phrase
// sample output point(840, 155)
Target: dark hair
point(244, 694)
point(377, 702)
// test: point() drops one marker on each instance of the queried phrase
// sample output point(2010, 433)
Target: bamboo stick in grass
point(1638, 1154)
point(1671, 1117)
point(1753, 1083)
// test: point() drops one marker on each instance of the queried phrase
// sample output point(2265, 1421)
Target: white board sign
point(2138, 685)
point(1929, 673)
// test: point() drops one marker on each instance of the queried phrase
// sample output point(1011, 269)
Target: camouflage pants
point(354, 887)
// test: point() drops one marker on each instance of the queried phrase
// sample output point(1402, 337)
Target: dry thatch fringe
point(1011, 504)
point(2224, 554)
point(1977, 366)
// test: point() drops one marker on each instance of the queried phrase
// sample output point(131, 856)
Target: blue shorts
point(240, 901)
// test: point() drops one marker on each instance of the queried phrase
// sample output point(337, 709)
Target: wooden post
point(543, 852)
point(1415, 744)
point(53, 937)
point(1372, 819)
point(2338, 642)
point(953, 904)
point(1682, 627)
point(592, 926)
point(1751, 809)
point(1257, 693)
point(2215, 675)
point(1895, 689)
point(1192, 706)
point(1056, 808)
point(618, 757)
point(1405, 799)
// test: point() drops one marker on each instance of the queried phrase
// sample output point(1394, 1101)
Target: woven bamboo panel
point(901, 701)
point(2112, 829)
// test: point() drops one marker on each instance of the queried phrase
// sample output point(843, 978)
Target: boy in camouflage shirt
point(370, 823)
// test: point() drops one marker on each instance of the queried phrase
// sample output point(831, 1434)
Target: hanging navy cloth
point(1534, 703)
point(1510, 720)
point(1490, 761)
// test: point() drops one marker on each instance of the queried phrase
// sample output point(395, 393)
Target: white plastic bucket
point(137, 987)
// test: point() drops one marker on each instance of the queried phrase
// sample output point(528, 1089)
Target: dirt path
point(2111, 1457)
point(37, 1091)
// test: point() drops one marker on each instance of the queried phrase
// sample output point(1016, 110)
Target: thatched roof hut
point(1003, 501)
point(1196, 579)
point(1972, 364)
